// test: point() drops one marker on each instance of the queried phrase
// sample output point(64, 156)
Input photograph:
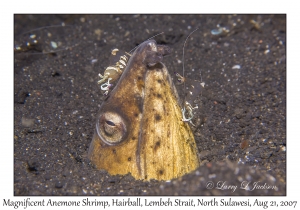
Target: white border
point(215, 7)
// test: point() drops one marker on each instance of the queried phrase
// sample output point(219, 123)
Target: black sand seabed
point(56, 99)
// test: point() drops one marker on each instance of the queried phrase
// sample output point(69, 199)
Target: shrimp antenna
point(52, 26)
point(146, 40)
point(183, 59)
point(38, 29)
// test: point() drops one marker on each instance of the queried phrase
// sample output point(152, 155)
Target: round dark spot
point(139, 78)
point(136, 114)
point(159, 81)
point(114, 151)
point(59, 184)
point(133, 138)
point(157, 145)
point(33, 165)
point(158, 95)
point(157, 117)
point(161, 172)
point(55, 74)
point(129, 159)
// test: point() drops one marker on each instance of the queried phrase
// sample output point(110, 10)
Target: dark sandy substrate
point(240, 125)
